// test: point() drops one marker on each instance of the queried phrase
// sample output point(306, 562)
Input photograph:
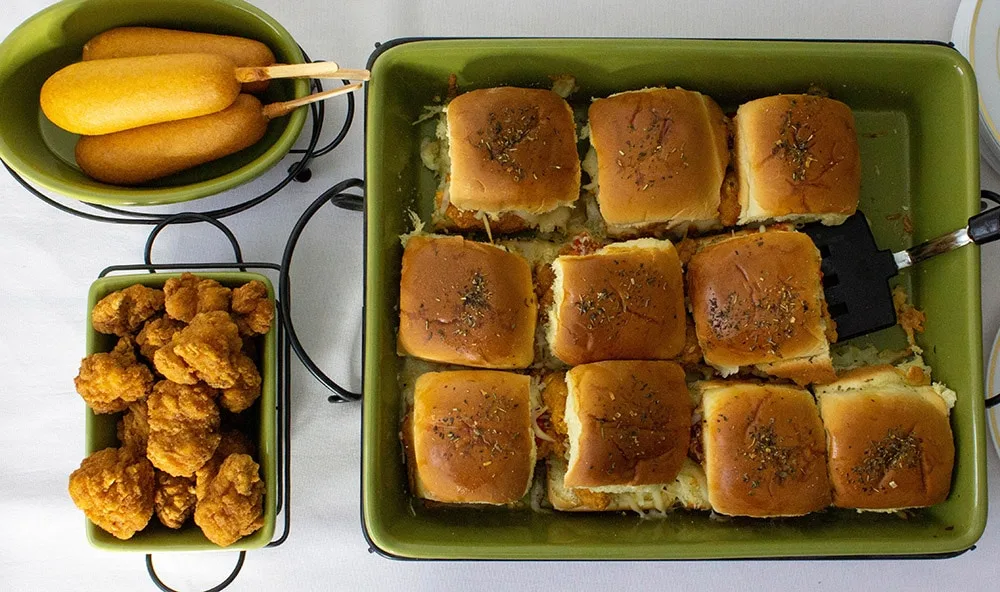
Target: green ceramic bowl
point(43, 154)
point(257, 422)
point(917, 122)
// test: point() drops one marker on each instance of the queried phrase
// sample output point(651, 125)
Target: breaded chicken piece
point(133, 428)
point(108, 382)
point(232, 442)
point(247, 388)
point(121, 313)
point(183, 427)
point(208, 349)
point(114, 488)
point(253, 311)
point(189, 295)
point(155, 334)
point(233, 504)
point(174, 499)
point(172, 367)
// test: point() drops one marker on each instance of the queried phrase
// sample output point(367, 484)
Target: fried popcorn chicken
point(183, 427)
point(232, 442)
point(253, 311)
point(208, 349)
point(174, 499)
point(155, 334)
point(122, 312)
point(114, 488)
point(108, 382)
point(233, 502)
point(247, 388)
point(189, 295)
point(172, 367)
point(133, 428)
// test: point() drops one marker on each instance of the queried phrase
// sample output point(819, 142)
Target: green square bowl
point(101, 430)
point(916, 111)
point(44, 154)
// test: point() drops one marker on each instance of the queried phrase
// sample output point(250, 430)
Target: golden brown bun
point(629, 424)
point(797, 159)
point(512, 149)
point(689, 490)
point(765, 451)
point(890, 442)
point(757, 300)
point(471, 437)
point(662, 155)
point(624, 302)
point(463, 302)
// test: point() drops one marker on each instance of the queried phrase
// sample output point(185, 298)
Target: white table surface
point(49, 259)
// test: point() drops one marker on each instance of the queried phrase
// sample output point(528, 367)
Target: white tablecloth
point(49, 259)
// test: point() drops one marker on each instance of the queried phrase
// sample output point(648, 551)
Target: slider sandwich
point(890, 440)
point(797, 159)
point(468, 437)
point(757, 301)
point(658, 160)
point(765, 450)
point(622, 439)
point(625, 301)
point(468, 303)
point(507, 160)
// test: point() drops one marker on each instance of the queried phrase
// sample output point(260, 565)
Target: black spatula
point(856, 273)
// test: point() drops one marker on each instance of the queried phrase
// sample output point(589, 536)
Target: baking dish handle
point(339, 196)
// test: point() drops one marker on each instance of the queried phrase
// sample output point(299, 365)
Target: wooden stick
point(312, 70)
point(279, 109)
point(352, 74)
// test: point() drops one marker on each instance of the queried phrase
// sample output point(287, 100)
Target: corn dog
point(139, 155)
point(105, 96)
point(124, 42)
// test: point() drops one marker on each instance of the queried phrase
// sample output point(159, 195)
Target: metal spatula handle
point(983, 228)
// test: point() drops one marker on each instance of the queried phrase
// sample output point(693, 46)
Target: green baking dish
point(260, 420)
point(916, 113)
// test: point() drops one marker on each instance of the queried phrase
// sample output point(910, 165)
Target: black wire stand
point(287, 339)
point(339, 196)
point(282, 499)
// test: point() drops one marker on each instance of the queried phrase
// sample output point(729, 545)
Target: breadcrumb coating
point(121, 313)
point(183, 427)
point(108, 382)
point(233, 504)
point(114, 488)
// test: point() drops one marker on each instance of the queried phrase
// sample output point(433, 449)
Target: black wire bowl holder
point(287, 339)
point(299, 171)
point(283, 375)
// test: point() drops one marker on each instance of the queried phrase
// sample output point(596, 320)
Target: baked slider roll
point(662, 155)
point(765, 450)
point(757, 300)
point(890, 441)
point(512, 161)
point(628, 424)
point(468, 303)
point(797, 159)
point(469, 437)
point(626, 301)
